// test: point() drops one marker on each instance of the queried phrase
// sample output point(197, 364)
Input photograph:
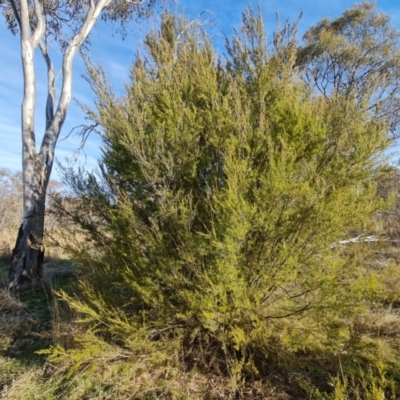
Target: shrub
point(212, 227)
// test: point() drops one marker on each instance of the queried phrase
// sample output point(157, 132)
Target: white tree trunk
point(28, 254)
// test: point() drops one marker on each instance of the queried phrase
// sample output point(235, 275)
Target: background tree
point(211, 225)
point(357, 55)
point(39, 23)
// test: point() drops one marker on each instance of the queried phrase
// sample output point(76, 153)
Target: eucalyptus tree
point(40, 23)
point(357, 55)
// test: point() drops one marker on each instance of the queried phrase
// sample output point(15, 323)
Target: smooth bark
point(28, 254)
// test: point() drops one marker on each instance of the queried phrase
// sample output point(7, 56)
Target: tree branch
point(24, 20)
point(16, 14)
point(40, 27)
point(51, 90)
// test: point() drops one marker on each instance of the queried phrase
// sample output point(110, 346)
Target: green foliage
point(358, 56)
point(212, 227)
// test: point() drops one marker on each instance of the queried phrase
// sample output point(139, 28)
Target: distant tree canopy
point(222, 188)
point(357, 55)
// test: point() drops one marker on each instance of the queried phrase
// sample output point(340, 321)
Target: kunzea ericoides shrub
point(224, 187)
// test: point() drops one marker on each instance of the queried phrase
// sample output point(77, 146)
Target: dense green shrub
point(212, 227)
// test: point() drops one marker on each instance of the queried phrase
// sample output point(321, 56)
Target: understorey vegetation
point(213, 244)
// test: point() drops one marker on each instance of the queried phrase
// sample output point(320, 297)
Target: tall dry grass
point(10, 210)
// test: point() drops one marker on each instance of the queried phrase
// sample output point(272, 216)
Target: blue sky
point(116, 57)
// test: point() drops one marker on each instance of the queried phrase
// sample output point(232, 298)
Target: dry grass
point(26, 384)
point(29, 322)
point(13, 317)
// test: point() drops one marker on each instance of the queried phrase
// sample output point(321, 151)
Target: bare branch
point(16, 14)
point(85, 131)
point(292, 313)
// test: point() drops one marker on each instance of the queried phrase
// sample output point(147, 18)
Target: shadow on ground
point(28, 317)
